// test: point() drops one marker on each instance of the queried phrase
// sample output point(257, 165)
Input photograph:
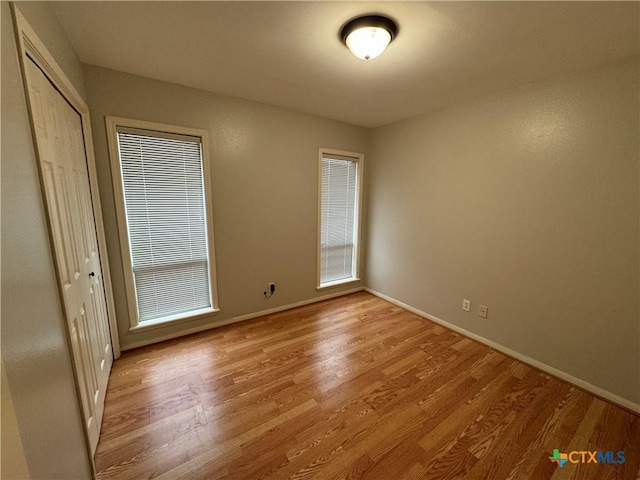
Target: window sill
point(174, 319)
point(338, 283)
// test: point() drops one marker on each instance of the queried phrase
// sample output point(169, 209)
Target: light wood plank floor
point(352, 387)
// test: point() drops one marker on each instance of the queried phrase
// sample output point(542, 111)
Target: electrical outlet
point(483, 311)
point(466, 305)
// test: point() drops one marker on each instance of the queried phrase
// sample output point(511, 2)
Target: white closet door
point(65, 177)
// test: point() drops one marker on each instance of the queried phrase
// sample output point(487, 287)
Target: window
point(164, 212)
point(340, 198)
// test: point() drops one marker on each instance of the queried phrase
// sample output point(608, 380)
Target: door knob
point(92, 274)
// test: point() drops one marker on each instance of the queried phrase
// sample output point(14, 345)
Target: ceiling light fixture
point(369, 35)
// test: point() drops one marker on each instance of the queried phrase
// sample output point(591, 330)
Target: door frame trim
point(30, 46)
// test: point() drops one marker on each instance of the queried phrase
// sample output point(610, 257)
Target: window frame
point(358, 158)
point(112, 124)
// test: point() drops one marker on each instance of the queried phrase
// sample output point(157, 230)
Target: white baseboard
point(241, 318)
point(597, 391)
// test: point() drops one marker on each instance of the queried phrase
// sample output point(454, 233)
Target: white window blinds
point(164, 199)
point(338, 227)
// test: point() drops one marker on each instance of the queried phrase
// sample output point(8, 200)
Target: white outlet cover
point(483, 311)
point(466, 305)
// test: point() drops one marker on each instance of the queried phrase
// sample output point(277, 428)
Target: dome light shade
point(368, 42)
point(368, 36)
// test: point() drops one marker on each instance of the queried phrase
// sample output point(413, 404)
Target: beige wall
point(527, 202)
point(34, 344)
point(13, 464)
point(264, 175)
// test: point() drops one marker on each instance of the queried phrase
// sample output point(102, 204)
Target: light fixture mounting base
point(369, 21)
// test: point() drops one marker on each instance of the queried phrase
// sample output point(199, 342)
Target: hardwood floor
point(352, 387)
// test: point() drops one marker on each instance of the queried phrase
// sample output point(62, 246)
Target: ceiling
point(289, 54)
